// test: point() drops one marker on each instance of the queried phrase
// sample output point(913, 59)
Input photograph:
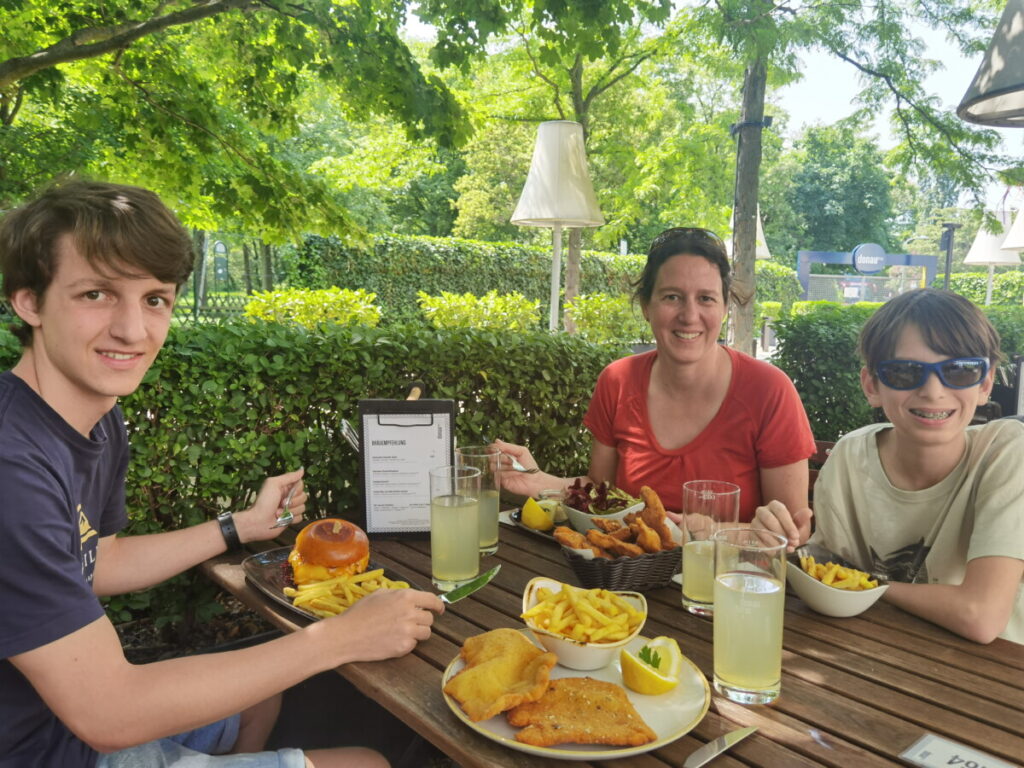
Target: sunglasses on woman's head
point(955, 373)
point(677, 232)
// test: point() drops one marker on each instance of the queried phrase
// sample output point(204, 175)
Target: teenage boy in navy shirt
point(92, 270)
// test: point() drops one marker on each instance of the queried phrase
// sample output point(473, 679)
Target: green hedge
point(397, 267)
point(818, 350)
point(1007, 287)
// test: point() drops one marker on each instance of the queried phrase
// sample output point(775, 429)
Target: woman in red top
point(692, 409)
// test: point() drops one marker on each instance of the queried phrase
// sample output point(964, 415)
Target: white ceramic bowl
point(830, 601)
point(583, 522)
point(573, 653)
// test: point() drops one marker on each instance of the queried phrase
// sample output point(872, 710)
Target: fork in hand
point(286, 517)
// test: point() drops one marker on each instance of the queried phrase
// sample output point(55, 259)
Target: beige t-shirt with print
point(926, 536)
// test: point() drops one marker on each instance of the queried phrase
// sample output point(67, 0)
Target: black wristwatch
point(228, 530)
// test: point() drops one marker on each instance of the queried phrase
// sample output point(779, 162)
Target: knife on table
point(714, 748)
point(470, 586)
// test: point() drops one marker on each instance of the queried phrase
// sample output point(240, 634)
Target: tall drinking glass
point(486, 459)
point(750, 588)
point(707, 506)
point(454, 525)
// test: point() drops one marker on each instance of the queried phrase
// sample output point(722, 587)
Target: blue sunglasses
point(955, 373)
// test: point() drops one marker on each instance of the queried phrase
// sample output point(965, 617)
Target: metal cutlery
point(286, 517)
point(469, 587)
point(714, 748)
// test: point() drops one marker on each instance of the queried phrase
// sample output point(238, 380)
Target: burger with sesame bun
point(328, 548)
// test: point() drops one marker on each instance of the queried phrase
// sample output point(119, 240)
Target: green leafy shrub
point(509, 312)
point(1007, 287)
point(310, 308)
point(396, 267)
point(776, 282)
point(970, 285)
point(817, 348)
point(602, 317)
point(1009, 321)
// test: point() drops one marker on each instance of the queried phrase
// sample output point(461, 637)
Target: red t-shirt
point(761, 423)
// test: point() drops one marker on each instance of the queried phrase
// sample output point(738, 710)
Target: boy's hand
point(257, 522)
point(775, 517)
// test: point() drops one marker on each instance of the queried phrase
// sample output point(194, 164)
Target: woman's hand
point(776, 517)
point(523, 483)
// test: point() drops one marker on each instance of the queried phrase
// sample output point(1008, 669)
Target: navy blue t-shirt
point(60, 493)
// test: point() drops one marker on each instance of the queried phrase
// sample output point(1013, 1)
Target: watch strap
point(229, 531)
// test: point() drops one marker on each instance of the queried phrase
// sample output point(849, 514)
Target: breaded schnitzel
point(581, 710)
point(502, 669)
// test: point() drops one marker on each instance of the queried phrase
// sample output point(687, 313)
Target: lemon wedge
point(641, 674)
point(536, 517)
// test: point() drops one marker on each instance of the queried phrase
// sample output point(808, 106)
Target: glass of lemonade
point(454, 525)
point(486, 459)
point(750, 589)
point(707, 506)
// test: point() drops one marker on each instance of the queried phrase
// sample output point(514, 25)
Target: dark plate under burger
point(270, 573)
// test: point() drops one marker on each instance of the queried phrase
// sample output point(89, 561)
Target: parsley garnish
point(649, 657)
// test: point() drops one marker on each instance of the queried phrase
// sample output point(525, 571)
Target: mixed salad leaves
point(601, 499)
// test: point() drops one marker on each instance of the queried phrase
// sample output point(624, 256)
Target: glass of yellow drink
point(454, 525)
point(486, 459)
point(707, 506)
point(750, 588)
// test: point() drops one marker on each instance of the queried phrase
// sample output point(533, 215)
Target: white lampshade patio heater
point(996, 95)
point(760, 243)
point(558, 194)
point(995, 250)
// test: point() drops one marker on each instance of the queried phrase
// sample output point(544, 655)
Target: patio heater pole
point(947, 242)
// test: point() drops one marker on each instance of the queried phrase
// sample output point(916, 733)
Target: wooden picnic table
point(855, 692)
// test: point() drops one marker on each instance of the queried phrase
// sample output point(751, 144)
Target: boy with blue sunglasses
point(929, 502)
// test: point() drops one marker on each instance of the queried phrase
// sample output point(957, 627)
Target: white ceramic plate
point(670, 715)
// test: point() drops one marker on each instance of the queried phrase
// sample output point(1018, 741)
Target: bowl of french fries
point(831, 585)
point(585, 628)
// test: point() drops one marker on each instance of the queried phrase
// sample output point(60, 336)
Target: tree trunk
point(572, 275)
point(267, 257)
point(748, 167)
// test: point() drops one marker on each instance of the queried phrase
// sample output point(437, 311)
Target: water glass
point(486, 459)
point(750, 589)
point(707, 506)
point(454, 525)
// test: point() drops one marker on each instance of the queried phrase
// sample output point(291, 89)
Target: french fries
point(333, 596)
point(834, 575)
point(585, 615)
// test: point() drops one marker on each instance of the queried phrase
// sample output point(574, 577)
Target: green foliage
point(1007, 287)
point(1009, 322)
point(397, 267)
point(818, 351)
point(508, 312)
point(602, 317)
point(776, 282)
point(202, 103)
point(310, 308)
point(840, 189)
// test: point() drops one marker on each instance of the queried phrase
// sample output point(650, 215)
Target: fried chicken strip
point(654, 515)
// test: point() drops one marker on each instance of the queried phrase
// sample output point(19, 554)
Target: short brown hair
point(949, 324)
point(116, 228)
point(682, 241)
